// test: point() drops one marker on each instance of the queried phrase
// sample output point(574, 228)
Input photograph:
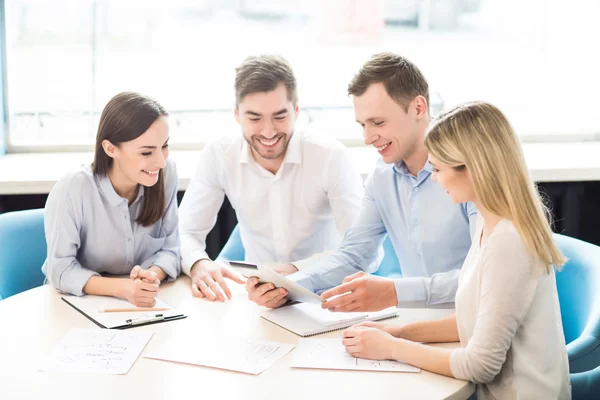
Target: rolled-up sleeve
point(169, 256)
point(62, 224)
point(509, 279)
point(199, 208)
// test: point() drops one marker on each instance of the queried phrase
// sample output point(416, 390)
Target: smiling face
point(139, 161)
point(456, 181)
point(267, 120)
point(387, 126)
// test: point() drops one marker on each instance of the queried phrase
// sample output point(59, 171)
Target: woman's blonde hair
point(479, 137)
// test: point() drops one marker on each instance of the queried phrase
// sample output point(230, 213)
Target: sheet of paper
point(235, 354)
point(101, 351)
point(331, 354)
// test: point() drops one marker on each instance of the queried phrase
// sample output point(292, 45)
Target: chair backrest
point(22, 251)
point(234, 248)
point(578, 285)
point(390, 265)
point(586, 385)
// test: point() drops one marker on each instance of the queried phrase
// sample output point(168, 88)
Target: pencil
point(104, 310)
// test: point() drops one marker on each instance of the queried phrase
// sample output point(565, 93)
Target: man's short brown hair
point(402, 80)
point(263, 74)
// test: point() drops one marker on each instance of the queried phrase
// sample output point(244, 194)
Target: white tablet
point(267, 275)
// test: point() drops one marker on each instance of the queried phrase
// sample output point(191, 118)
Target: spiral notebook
point(305, 319)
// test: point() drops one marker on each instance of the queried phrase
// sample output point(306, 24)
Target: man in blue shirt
point(430, 235)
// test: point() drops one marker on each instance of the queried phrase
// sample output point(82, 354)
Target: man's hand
point(361, 292)
point(285, 269)
point(370, 343)
point(208, 280)
point(265, 294)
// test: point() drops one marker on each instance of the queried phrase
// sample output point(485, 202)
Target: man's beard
point(265, 153)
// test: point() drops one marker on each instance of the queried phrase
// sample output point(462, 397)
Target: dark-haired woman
point(117, 216)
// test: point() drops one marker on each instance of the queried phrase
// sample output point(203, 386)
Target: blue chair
point(578, 286)
point(22, 251)
point(234, 251)
point(234, 248)
point(585, 385)
point(390, 265)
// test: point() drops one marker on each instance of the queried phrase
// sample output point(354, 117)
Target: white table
point(31, 323)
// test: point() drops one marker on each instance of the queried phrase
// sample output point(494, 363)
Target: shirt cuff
point(188, 260)
point(73, 281)
point(168, 264)
point(410, 291)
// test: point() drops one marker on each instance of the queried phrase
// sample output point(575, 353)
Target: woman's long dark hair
point(126, 117)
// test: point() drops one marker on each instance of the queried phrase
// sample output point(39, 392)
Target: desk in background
point(36, 173)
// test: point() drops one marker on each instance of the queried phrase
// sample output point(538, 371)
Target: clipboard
point(89, 306)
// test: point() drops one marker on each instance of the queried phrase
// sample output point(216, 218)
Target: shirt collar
point(400, 168)
point(293, 154)
point(111, 195)
point(245, 152)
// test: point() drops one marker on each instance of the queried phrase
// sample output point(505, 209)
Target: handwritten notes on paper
point(100, 351)
point(235, 354)
point(331, 354)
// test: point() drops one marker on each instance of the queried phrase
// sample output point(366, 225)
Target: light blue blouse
point(91, 231)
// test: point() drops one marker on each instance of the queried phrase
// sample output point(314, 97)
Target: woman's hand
point(368, 342)
point(147, 276)
point(141, 288)
point(138, 292)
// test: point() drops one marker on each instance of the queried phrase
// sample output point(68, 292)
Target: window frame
point(6, 147)
point(3, 92)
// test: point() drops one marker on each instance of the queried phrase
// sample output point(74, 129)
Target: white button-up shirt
point(292, 216)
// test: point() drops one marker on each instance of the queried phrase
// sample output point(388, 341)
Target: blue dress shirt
point(91, 230)
point(431, 237)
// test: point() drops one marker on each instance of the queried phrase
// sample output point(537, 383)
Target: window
point(66, 58)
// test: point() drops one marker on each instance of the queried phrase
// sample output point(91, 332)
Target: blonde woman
point(507, 312)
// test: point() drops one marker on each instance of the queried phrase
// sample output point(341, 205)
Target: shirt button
point(418, 257)
point(415, 222)
point(125, 216)
point(129, 240)
point(416, 189)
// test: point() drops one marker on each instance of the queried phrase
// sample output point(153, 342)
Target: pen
point(137, 309)
point(158, 317)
